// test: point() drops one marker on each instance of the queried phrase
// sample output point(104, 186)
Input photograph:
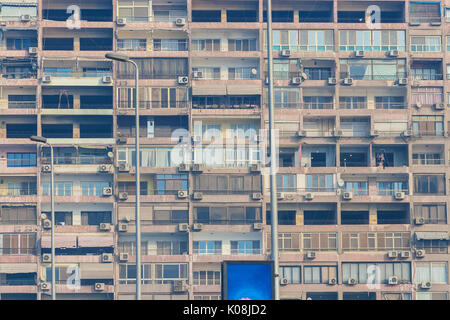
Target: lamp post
point(124, 58)
point(273, 160)
point(52, 206)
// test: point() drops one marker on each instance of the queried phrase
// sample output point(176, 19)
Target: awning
point(60, 241)
point(244, 90)
point(95, 241)
point(432, 235)
point(18, 267)
point(96, 270)
point(209, 90)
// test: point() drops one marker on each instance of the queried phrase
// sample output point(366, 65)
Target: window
point(16, 189)
point(287, 182)
point(375, 241)
point(169, 44)
point(94, 218)
point(320, 241)
point(286, 98)
point(12, 11)
point(424, 11)
point(431, 295)
point(386, 40)
point(242, 45)
point(319, 183)
point(130, 247)
point(170, 183)
point(389, 188)
point(434, 272)
point(21, 159)
point(154, 273)
point(17, 215)
point(433, 246)
point(227, 215)
point(245, 247)
point(206, 45)
point(318, 73)
point(208, 73)
point(429, 184)
point(362, 272)
point(61, 189)
point(17, 243)
point(352, 103)
point(171, 247)
point(62, 218)
point(243, 73)
point(207, 278)
point(132, 44)
point(317, 102)
point(151, 97)
point(302, 40)
point(319, 274)
point(358, 188)
point(428, 125)
point(61, 274)
point(207, 247)
point(134, 10)
point(426, 44)
point(154, 68)
point(427, 96)
point(218, 184)
point(285, 69)
point(433, 213)
point(26, 101)
point(387, 102)
point(291, 273)
point(94, 188)
point(373, 69)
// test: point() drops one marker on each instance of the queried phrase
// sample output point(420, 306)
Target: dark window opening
point(242, 16)
point(315, 16)
point(20, 130)
point(318, 159)
point(286, 160)
point(360, 296)
point(354, 217)
point(206, 16)
point(353, 159)
point(18, 279)
point(79, 251)
point(57, 130)
point(95, 44)
point(60, 101)
point(351, 17)
point(319, 218)
point(97, 130)
point(57, 44)
point(18, 296)
point(280, 16)
point(322, 295)
point(393, 217)
point(96, 102)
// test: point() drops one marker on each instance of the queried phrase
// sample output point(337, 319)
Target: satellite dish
point(43, 216)
point(340, 183)
point(309, 298)
point(254, 71)
point(110, 154)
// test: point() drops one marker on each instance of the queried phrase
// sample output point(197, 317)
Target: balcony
point(71, 78)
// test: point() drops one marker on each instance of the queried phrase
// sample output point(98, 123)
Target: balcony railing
point(18, 192)
point(160, 251)
point(207, 251)
point(226, 191)
point(376, 76)
point(372, 48)
point(390, 105)
point(390, 192)
point(227, 106)
point(17, 251)
point(73, 74)
point(227, 221)
point(428, 162)
point(18, 222)
point(305, 105)
point(154, 105)
point(425, 48)
point(160, 16)
point(21, 104)
point(15, 18)
point(353, 105)
point(315, 47)
point(424, 76)
point(170, 45)
point(19, 75)
point(163, 222)
point(78, 160)
point(305, 190)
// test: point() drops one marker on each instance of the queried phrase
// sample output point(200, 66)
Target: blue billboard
point(247, 280)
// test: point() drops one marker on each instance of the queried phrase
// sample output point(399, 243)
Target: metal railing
point(391, 192)
point(207, 251)
point(428, 161)
point(314, 48)
point(371, 48)
point(21, 104)
point(157, 17)
point(245, 251)
point(15, 18)
point(375, 76)
point(19, 75)
point(424, 76)
point(18, 282)
point(164, 222)
point(226, 106)
point(390, 105)
point(425, 48)
point(305, 105)
point(353, 105)
point(153, 104)
point(17, 251)
point(295, 190)
point(18, 192)
point(18, 222)
point(74, 74)
point(170, 45)
point(78, 160)
point(226, 191)
point(227, 221)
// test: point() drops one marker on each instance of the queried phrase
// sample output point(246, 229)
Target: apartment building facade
point(363, 119)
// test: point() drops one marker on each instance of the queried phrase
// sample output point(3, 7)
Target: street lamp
point(43, 140)
point(124, 58)
point(273, 160)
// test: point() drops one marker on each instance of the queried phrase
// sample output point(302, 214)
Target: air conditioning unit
point(284, 281)
point(121, 21)
point(347, 195)
point(103, 168)
point(46, 79)
point(406, 133)
point(311, 255)
point(309, 196)
point(351, 281)
point(403, 81)
point(418, 105)
point(392, 254)
point(281, 195)
point(374, 133)
point(197, 227)
point(45, 286)
point(197, 196)
point(266, 80)
point(32, 50)
point(47, 224)
point(405, 254)
point(107, 191)
point(99, 286)
point(196, 167)
point(255, 168)
point(179, 286)
point(123, 257)
point(393, 53)
point(183, 80)
point(197, 74)
point(183, 167)
point(420, 253)
point(47, 168)
point(435, 23)
point(419, 221)
point(182, 194)
point(257, 226)
point(107, 257)
point(359, 53)
point(399, 195)
point(46, 258)
point(196, 139)
point(25, 18)
point(414, 23)
point(439, 106)
point(122, 227)
point(107, 79)
point(348, 81)
point(121, 140)
point(257, 196)
point(183, 227)
point(332, 281)
point(180, 22)
point(338, 133)
point(285, 53)
point(105, 226)
point(301, 133)
point(124, 167)
point(425, 285)
point(296, 80)
point(123, 195)
point(393, 280)
point(332, 81)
